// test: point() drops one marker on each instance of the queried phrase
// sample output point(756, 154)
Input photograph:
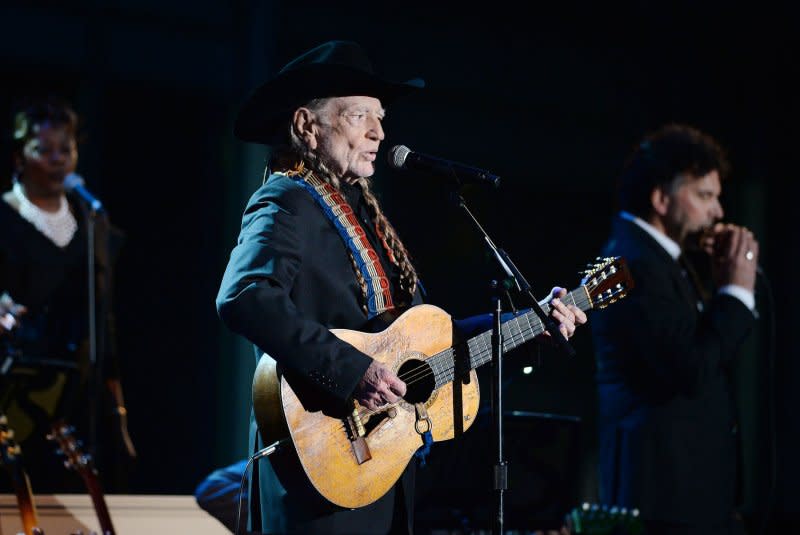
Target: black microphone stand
point(95, 342)
point(500, 472)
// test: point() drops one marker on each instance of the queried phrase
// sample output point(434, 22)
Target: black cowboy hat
point(332, 69)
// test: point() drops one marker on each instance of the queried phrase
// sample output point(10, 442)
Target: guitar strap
point(115, 387)
point(340, 214)
point(423, 426)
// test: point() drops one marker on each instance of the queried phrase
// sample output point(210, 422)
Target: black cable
point(260, 454)
point(241, 492)
point(771, 416)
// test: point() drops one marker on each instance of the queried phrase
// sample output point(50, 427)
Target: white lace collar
point(59, 226)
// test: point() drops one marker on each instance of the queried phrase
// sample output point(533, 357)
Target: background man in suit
point(667, 441)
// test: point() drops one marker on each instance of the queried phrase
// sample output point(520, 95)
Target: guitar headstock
point(9, 449)
point(76, 459)
point(69, 446)
point(607, 280)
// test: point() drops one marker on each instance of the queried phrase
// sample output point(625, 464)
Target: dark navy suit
point(666, 420)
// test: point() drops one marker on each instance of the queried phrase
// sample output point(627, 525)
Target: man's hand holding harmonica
point(734, 254)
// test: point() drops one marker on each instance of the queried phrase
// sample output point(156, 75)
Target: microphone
point(74, 182)
point(401, 157)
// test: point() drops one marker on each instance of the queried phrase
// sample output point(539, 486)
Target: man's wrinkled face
point(349, 133)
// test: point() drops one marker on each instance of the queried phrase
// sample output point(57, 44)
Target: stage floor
point(62, 514)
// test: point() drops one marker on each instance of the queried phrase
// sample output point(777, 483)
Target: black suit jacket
point(289, 281)
point(666, 420)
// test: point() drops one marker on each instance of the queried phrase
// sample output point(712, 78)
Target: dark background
point(551, 98)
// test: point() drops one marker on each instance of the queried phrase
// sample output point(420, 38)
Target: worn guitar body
point(324, 446)
point(352, 460)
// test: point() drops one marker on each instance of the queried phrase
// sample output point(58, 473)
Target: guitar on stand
point(76, 459)
point(11, 459)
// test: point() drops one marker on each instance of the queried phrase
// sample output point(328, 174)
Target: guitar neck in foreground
point(605, 282)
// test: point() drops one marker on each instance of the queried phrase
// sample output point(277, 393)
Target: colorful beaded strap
point(339, 212)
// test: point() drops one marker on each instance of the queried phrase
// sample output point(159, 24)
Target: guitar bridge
point(356, 433)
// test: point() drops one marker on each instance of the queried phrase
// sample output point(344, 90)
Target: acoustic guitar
point(352, 460)
point(11, 459)
point(76, 459)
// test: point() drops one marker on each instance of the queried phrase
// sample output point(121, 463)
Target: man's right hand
point(734, 253)
point(378, 387)
point(9, 312)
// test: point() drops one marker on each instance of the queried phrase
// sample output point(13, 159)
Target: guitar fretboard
point(515, 332)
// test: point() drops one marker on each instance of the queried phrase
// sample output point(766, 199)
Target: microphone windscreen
point(398, 155)
point(73, 180)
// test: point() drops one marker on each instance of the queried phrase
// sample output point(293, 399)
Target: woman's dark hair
point(671, 150)
point(38, 112)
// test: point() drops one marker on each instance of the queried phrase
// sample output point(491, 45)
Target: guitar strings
point(423, 371)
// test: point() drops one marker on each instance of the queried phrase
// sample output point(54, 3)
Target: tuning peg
point(3, 419)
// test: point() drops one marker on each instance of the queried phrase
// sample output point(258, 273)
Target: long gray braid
point(401, 257)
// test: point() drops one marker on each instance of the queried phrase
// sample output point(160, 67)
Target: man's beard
point(693, 240)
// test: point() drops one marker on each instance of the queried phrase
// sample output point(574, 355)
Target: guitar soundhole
point(419, 380)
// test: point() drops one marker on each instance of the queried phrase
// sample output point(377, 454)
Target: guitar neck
point(96, 492)
point(515, 332)
point(27, 507)
point(64, 434)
